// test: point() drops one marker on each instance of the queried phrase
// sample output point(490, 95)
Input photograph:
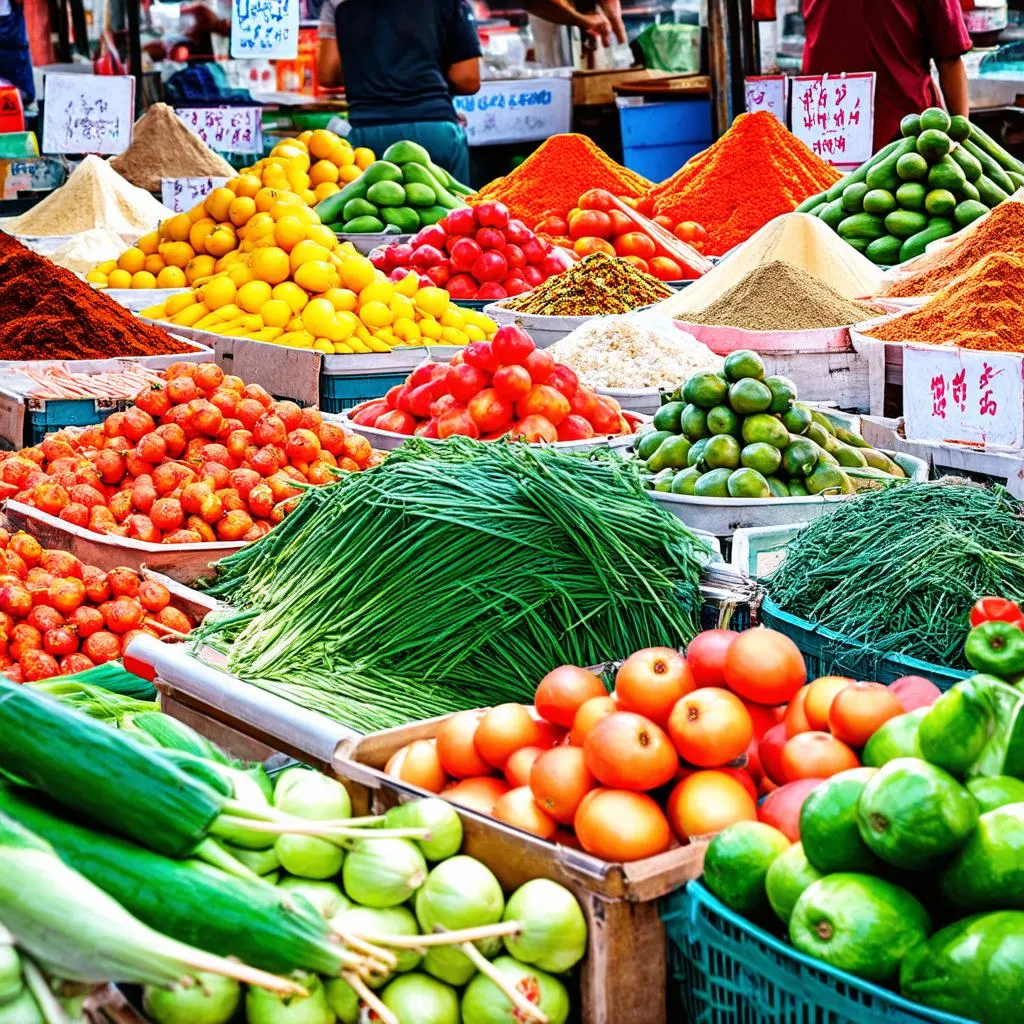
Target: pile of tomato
point(200, 457)
point(681, 748)
point(59, 616)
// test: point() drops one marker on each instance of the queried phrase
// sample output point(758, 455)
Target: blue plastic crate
point(828, 653)
point(729, 971)
point(659, 137)
point(338, 393)
point(47, 417)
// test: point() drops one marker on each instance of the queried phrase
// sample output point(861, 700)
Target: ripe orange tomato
point(561, 692)
point(706, 656)
point(502, 731)
point(418, 764)
point(818, 699)
point(635, 243)
point(710, 727)
point(480, 793)
point(597, 199)
point(618, 825)
point(706, 802)
point(665, 269)
point(589, 244)
point(763, 718)
point(764, 666)
point(517, 807)
point(589, 714)
point(691, 232)
point(650, 682)
point(559, 780)
point(628, 751)
point(859, 709)
point(638, 263)
point(816, 755)
point(455, 748)
point(796, 717)
point(517, 767)
point(590, 224)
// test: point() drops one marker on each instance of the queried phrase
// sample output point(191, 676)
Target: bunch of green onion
point(454, 577)
point(898, 570)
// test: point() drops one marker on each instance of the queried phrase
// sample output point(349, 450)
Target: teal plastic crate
point(728, 971)
point(47, 417)
point(338, 393)
point(828, 653)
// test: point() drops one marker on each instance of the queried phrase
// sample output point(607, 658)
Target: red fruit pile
point(200, 457)
point(475, 253)
point(493, 388)
point(58, 616)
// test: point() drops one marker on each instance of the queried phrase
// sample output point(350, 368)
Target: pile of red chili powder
point(48, 313)
point(755, 172)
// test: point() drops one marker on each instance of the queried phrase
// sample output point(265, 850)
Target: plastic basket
point(338, 393)
point(729, 971)
point(47, 417)
point(828, 653)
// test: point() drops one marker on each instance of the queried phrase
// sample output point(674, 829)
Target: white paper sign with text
point(767, 92)
point(226, 129)
point(516, 111)
point(181, 194)
point(835, 115)
point(265, 28)
point(88, 113)
point(955, 394)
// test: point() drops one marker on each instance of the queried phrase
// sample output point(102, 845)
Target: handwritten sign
point(835, 115)
point(265, 28)
point(180, 194)
point(88, 113)
point(767, 92)
point(226, 129)
point(961, 395)
point(517, 111)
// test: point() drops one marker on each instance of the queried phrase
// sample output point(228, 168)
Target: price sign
point(954, 394)
point(835, 115)
point(516, 111)
point(227, 129)
point(265, 28)
point(88, 113)
point(180, 194)
point(767, 92)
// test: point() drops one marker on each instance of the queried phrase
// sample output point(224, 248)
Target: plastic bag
point(671, 47)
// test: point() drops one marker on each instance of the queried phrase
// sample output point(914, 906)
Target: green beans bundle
point(899, 569)
point(455, 576)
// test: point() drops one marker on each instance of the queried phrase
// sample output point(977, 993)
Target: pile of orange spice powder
point(982, 309)
point(755, 172)
point(556, 174)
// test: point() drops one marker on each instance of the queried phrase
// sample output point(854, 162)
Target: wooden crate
point(623, 977)
point(596, 88)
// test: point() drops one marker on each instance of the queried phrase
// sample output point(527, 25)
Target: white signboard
point(180, 194)
point(265, 28)
point(226, 129)
point(835, 115)
point(954, 394)
point(517, 111)
point(766, 92)
point(88, 113)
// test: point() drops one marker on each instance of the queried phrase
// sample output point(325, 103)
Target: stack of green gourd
point(942, 175)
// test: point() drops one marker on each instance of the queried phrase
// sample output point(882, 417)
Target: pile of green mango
point(404, 188)
point(741, 434)
point(942, 174)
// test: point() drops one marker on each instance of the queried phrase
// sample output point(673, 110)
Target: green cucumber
point(885, 251)
point(1017, 179)
point(910, 125)
point(861, 173)
point(813, 211)
point(405, 152)
point(330, 209)
point(420, 195)
point(969, 190)
point(940, 227)
point(381, 170)
point(358, 208)
point(959, 128)
point(985, 142)
point(969, 211)
point(853, 197)
point(991, 168)
point(940, 202)
point(861, 225)
point(911, 167)
point(970, 165)
point(811, 203)
point(386, 193)
point(935, 119)
point(905, 223)
point(860, 244)
point(833, 213)
point(363, 226)
point(883, 174)
point(877, 201)
point(989, 192)
point(933, 144)
point(910, 195)
point(946, 173)
point(425, 176)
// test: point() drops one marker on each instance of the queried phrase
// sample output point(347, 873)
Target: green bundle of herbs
point(898, 570)
point(455, 576)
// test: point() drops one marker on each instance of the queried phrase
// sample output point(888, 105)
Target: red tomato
point(539, 364)
point(512, 382)
point(479, 794)
point(651, 682)
point(618, 825)
point(511, 344)
point(996, 609)
point(816, 755)
point(859, 709)
point(563, 690)
point(795, 718)
point(591, 224)
point(534, 429)
point(575, 428)
point(706, 802)
point(665, 222)
point(518, 808)
point(418, 764)
point(456, 421)
point(638, 263)
point(490, 411)
point(597, 199)
point(557, 227)
point(517, 767)
point(915, 692)
point(628, 751)
point(710, 727)
point(621, 224)
point(769, 753)
point(455, 747)
point(491, 214)
point(665, 269)
point(781, 808)
point(706, 656)
point(589, 244)
point(635, 243)
point(764, 666)
point(690, 231)
point(559, 780)
point(543, 400)
point(502, 731)
point(818, 699)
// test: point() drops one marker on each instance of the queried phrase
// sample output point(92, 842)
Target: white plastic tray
point(367, 243)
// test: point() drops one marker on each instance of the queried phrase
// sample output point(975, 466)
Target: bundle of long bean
point(899, 569)
point(453, 577)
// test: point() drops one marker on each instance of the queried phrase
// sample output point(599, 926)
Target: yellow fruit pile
point(186, 247)
point(291, 283)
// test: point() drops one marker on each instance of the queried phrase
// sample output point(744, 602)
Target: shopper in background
point(897, 39)
point(15, 57)
point(401, 63)
point(600, 19)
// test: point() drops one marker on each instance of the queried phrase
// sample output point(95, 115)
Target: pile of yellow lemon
point(185, 247)
point(291, 283)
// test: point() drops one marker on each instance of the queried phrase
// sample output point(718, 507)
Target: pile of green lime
point(741, 434)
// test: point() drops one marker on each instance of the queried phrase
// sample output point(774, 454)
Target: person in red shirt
point(897, 39)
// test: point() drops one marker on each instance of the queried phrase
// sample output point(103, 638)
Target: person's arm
point(328, 55)
point(613, 12)
point(953, 82)
point(461, 51)
point(464, 77)
point(561, 12)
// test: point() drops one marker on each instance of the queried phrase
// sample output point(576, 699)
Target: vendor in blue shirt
point(401, 63)
point(15, 58)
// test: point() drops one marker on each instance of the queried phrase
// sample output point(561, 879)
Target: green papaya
point(406, 152)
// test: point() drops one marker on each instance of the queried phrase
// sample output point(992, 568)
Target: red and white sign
point(226, 129)
point(767, 92)
point(835, 115)
point(955, 394)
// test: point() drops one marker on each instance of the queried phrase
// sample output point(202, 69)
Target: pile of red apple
point(506, 386)
point(476, 253)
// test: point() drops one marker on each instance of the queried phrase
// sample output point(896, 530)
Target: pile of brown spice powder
point(781, 297)
point(162, 147)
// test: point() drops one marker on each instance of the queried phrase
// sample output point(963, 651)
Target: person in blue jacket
point(15, 56)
